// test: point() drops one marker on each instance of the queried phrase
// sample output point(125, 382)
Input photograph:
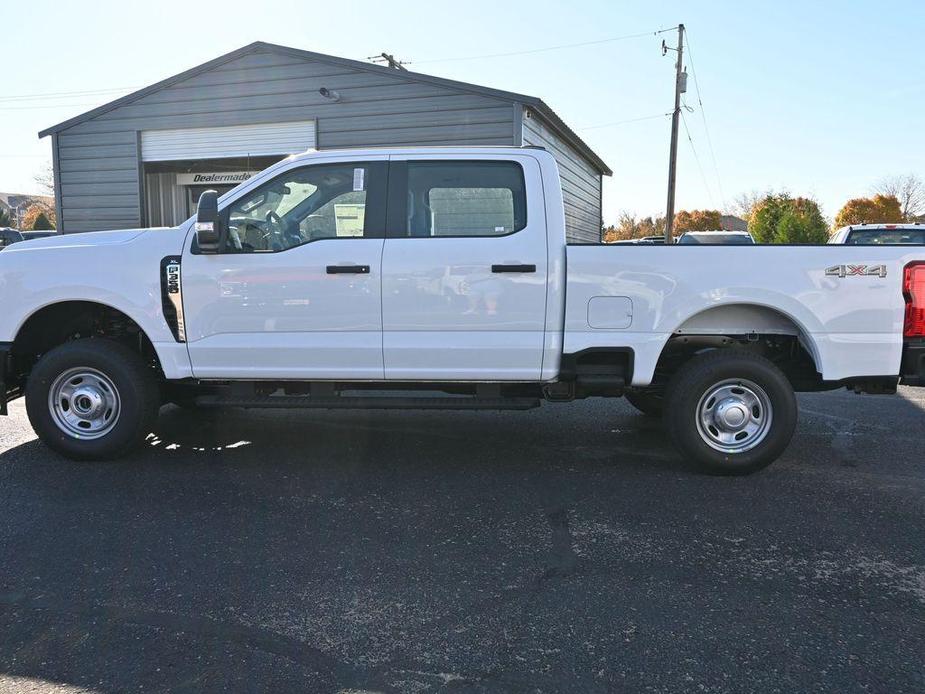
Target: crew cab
point(441, 278)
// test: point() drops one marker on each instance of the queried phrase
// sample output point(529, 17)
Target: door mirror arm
point(210, 230)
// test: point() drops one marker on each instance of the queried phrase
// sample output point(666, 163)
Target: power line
point(703, 115)
point(629, 120)
point(388, 59)
point(34, 107)
point(697, 158)
point(544, 49)
point(61, 95)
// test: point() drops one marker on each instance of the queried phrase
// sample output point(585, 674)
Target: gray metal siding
point(581, 182)
point(98, 158)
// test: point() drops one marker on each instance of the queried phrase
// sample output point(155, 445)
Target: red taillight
point(914, 292)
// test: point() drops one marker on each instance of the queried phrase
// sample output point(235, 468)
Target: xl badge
point(856, 271)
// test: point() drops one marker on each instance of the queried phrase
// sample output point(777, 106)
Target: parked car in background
point(716, 238)
point(643, 241)
point(9, 236)
point(29, 235)
point(880, 235)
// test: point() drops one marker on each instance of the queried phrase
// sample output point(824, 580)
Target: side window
point(325, 201)
point(465, 198)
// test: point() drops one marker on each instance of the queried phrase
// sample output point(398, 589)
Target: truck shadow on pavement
point(390, 437)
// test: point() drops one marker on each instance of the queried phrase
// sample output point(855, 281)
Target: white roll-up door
point(228, 141)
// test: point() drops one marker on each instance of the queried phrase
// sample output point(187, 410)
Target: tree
point(908, 189)
point(698, 220)
point(41, 223)
point(743, 203)
point(629, 226)
point(5, 220)
point(780, 218)
point(45, 179)
point(38, 217)
point(880, 208)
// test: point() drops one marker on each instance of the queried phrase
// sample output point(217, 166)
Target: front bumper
point(912, 372)
point(10, 389)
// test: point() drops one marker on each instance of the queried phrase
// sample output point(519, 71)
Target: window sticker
point(359, 180)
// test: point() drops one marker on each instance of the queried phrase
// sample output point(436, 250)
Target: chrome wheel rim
point(734, 416)
point(84, 403)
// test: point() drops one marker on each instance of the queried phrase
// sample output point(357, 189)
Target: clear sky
point(818, 98)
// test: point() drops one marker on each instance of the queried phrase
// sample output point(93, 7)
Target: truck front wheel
point(730, 412)
point(92, 399)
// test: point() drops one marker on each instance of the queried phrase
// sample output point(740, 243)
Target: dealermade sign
point(218, 178)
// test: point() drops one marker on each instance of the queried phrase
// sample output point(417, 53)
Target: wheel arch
point(748, 318)
point(56, 322)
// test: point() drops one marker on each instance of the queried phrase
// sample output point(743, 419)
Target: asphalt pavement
point(567, 549)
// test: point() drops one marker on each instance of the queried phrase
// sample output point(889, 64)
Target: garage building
point(143, 160)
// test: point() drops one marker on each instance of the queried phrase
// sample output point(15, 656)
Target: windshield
point(886, 237)
point(717, 239)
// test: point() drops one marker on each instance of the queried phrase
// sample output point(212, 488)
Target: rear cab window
point(464, 199)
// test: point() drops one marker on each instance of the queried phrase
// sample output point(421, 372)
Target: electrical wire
point(542, 50)
point(623, 122)
point(61, 95)
point(697, 158)
point(703, 115)
point(32, 108)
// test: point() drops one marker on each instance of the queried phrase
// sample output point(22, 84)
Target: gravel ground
point(565, 549)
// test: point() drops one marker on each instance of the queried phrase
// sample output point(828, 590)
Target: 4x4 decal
point(856, 271)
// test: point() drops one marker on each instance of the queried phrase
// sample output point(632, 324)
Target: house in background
point(144, 159)
point(16, 204)
point(730, 222)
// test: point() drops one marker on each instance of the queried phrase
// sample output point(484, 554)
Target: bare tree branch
point(908, 189)
point(45, 179)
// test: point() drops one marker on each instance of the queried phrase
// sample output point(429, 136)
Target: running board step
point(369, 403)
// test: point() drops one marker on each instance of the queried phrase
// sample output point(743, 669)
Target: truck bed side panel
point(851, 323)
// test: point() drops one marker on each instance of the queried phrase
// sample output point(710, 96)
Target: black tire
point(687, 406)
point(137, 394)
point(650, 404)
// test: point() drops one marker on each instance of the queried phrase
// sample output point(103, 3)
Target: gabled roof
point(16, 199)
point(534, 103)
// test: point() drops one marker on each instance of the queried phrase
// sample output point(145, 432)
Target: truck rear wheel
point(730, 412)
point(92, 399)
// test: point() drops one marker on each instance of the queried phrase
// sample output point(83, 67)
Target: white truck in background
point(441, 278)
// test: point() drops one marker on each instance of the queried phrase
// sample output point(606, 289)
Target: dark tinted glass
point(717, 240)
point(465, 198)
point(886, 237)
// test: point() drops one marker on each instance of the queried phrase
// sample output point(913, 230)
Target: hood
point(87, 238)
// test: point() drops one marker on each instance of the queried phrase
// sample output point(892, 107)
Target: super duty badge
point(172, 296)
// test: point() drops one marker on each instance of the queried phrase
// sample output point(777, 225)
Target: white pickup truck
point(441, 278)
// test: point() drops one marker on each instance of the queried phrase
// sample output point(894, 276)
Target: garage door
point(228, 141)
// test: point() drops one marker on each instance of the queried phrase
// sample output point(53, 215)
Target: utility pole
point(680, 86)
point(389, 60)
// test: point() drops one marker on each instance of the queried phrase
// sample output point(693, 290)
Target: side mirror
point(209, 231)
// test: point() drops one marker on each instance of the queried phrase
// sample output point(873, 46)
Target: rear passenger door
point(464, 269)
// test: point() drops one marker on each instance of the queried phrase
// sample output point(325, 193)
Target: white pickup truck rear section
point(852, 326)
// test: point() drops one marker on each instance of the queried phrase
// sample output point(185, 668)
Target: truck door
point(296, 291)
point(464, 269)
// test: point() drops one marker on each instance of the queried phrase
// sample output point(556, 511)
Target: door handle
point(348, 269)
point(513, 268)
